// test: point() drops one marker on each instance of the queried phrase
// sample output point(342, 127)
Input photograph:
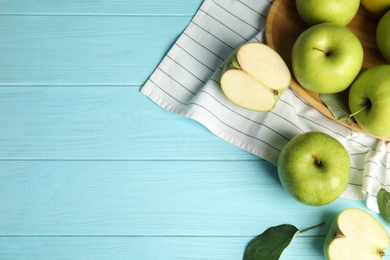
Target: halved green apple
point(254, 77)
point(356, 234)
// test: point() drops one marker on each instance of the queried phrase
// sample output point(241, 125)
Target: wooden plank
point(80, 50)
point(145, 248)
point(113, 123)
point(91, 7)
point(154, 198)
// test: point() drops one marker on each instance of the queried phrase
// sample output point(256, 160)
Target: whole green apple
point(369, 100)
point(355, 234)
point(327, 11)
point(326, 58)
point(377, 7)
point(383, 35)
point(314, 168)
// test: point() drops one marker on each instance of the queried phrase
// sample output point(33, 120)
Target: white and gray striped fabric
point(187, 83)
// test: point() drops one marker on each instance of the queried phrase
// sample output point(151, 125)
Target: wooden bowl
point(284, 25)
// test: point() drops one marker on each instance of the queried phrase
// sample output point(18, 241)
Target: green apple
point(383, 35)
point(377, 7)
point(326, 58)
point(327, 11)
point(355, 234)
point(254, 77)
point(369, 100)
point(314, 168)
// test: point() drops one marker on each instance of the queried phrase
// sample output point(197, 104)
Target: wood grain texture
point(160, 248)
point(100, 123)
point(82, 50)
point(102, 7)
point(92, 169)
point(135, 198)
point(153, 198)
point(74, 207)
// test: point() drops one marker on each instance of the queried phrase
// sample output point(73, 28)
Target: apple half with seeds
point(254, 77)
point(356, 234)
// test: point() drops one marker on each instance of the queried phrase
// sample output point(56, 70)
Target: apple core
point(254, 77)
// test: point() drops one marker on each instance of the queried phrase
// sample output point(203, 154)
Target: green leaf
point(383, 197)
point(270, 244)
point(337, 105)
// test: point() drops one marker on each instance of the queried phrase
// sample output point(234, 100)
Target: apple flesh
point(327, 11)
point(254, 77)
point(376, 7)
point(326, 58)
point(383, 36)
point(314, 168)
point(369, 100)
point(355, 234)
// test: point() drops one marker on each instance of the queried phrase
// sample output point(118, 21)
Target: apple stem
point(318, 161)
point(313, 227)
point(327, 53)
point(358, 111)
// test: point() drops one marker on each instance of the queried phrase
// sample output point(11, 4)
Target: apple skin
point(305, 179)
point(383, 35)
point(326, 58)
point(372, 88)
point(327, 11)
point(376, 7)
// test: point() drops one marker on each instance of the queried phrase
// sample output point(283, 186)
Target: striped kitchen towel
point(186, 82)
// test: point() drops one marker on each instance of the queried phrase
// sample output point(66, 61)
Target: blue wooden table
point(92, 169)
